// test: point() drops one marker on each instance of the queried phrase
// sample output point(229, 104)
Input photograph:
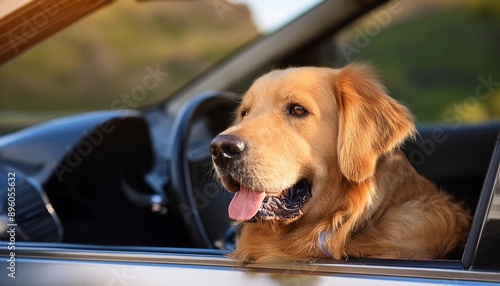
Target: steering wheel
point(201, 201)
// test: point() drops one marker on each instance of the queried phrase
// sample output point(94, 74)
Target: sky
point(270, 15)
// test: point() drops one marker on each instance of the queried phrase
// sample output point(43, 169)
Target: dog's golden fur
point(366, 196)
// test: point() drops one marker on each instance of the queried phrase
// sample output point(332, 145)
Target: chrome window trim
point(40, 254)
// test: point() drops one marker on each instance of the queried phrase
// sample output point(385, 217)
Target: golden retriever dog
point(314, 161)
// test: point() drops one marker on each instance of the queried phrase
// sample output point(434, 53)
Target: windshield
point(129, 54)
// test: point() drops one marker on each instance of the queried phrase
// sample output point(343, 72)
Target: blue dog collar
point(322, 243)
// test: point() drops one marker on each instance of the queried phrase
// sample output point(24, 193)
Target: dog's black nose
point(226, 147)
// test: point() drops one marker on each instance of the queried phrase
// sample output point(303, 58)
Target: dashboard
point(122, 177)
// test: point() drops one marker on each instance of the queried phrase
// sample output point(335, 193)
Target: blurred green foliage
point(433, 61)
point(93, 62)
point(430, 60)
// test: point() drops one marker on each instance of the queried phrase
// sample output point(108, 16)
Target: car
point(125, 195)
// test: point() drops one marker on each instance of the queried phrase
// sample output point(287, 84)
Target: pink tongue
point(245, 204)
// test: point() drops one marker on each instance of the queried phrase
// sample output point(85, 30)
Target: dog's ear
point(370, 122)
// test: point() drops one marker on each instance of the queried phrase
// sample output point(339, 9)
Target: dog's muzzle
point(250, 204)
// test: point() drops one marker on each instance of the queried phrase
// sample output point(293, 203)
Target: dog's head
point(299, 133)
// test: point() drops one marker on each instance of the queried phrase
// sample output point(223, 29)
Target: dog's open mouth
point(249, 205)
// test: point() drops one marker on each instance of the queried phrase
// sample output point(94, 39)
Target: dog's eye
point(297, 110)
point(243, 113)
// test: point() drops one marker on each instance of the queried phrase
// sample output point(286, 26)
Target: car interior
point(144, 178)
